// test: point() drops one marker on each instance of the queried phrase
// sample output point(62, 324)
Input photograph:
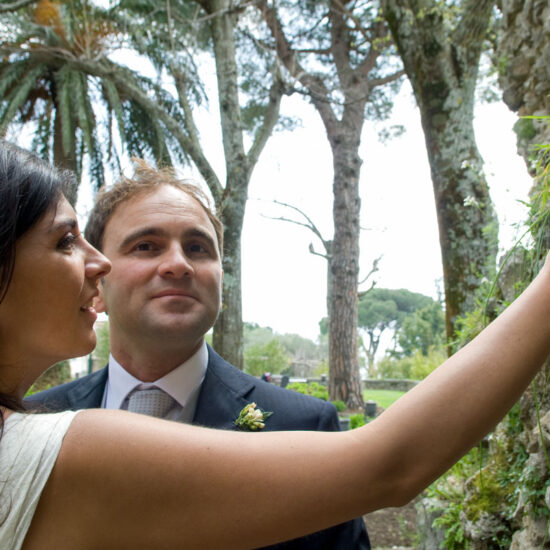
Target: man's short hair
point(146, 180)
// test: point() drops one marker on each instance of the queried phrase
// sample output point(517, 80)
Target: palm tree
point(55, 73)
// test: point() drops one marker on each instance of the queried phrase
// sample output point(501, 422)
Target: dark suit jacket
point(224, 392)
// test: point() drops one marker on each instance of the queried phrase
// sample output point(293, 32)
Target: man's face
point(164, 288)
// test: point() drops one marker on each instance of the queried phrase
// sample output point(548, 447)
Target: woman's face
point(47, 313)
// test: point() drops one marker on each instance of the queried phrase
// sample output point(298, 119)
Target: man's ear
point(221, 291)
point(99, 302)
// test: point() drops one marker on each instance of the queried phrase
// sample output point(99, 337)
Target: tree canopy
point(415, 319)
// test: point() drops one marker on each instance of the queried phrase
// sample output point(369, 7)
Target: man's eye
point(197, 248)
point(143, 247)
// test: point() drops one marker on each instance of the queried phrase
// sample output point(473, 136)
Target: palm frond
point(19, 95)
point(41, 141)
point(84, 112)
point(63, 81)
point(112, 99)
point(10, 73)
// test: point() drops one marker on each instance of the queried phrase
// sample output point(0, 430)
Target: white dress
point(29, 447)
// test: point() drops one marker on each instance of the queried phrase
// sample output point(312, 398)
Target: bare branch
point(270, 118)
point(308, 224)
point(387, 79)
point(315, 253)
point(206, 6)
point(374, 268)
point(315, 85)
point(358, 25)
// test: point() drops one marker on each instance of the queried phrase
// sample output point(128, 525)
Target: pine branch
point(14, 6)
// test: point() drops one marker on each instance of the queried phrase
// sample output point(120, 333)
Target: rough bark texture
point(443, 70)
point(344, 381)
point(228, 336)
point(523, 56)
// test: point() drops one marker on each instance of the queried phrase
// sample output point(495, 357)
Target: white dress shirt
point(182, 384)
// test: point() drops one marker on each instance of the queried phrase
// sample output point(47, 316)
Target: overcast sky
point(284, 286)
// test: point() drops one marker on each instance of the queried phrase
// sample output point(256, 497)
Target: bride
point(104, 479)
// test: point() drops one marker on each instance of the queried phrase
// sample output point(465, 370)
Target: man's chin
point(177, 326)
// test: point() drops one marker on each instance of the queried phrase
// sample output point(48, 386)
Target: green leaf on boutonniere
point(252, 418)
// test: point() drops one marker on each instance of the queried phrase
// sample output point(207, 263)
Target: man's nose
point(175, 263)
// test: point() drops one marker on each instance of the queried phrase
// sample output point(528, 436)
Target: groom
point(162, 295)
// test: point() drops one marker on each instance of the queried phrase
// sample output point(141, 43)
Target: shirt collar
point(180, 383)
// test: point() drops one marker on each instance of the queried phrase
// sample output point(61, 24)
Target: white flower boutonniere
point(252, 418)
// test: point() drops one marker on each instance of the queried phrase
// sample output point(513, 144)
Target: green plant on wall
point(499, 488)
point(310, 388)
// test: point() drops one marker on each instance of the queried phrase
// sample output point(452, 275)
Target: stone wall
point(523, 59)
point(389, 384)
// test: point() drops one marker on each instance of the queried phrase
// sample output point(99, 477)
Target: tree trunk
point(443, 72)
point(344, 380)
point(468, 228)
point(343, 123)
point(228, 330)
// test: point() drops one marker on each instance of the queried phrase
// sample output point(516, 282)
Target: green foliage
point(308, 27)
point(449, 494)
point(300, 351)
point(415, 367)
point(56, 74)
point(425, 364)
point(422, 329)
point(323, 326)
point(417, 321)
point(487, 307)
point(525, 129)
point(55, 375)
point(321, 369)
point(490, 483)
point(312, 388)
point(340, 405)
point(356, 421)
point(383, 398)
point(392, 367)
point(269, 357)
point(499, 482)
point(102, 348)
point(380, 307)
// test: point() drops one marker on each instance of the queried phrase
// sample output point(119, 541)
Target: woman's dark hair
point(29, 187)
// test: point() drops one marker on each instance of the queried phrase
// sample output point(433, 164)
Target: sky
point(283, 284)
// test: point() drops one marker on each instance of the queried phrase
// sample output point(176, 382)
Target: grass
point(384, 398)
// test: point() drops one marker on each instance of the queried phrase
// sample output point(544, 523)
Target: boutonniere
point(252, 418)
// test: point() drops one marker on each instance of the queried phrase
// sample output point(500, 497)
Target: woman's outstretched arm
point(126, 481)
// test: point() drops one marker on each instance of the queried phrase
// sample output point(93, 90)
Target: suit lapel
point(88, 393)
point(223, 394)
